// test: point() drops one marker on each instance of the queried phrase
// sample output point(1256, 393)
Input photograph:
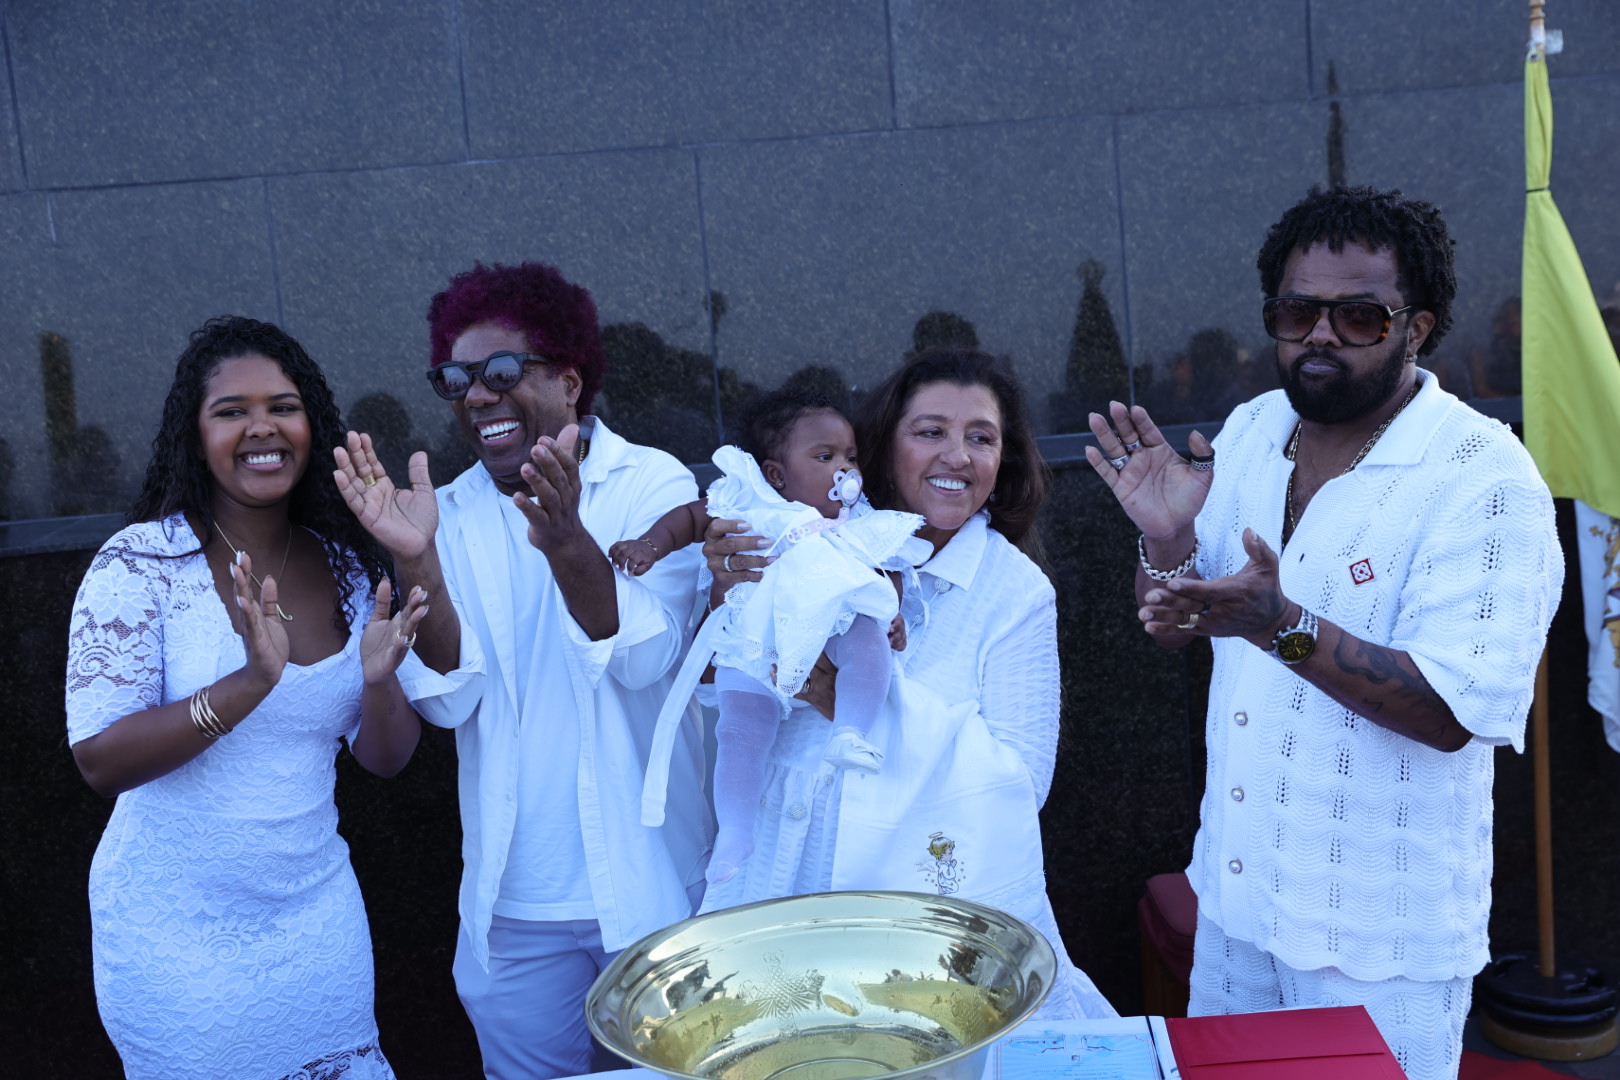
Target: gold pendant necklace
point(256, 580)
point(1292, 450)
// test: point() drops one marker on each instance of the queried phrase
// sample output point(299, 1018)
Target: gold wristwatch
point(1294, 644)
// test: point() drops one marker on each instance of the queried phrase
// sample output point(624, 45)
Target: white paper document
point(1124, 1049)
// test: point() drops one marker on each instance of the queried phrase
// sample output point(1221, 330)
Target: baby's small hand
point(897, 634)
point(634, 557)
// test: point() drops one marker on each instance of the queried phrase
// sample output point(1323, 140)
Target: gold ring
point(1192, 621)
point(371, 481)
point(409, 641)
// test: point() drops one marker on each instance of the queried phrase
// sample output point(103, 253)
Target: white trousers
point(1421, 1021)
point(528, 1009)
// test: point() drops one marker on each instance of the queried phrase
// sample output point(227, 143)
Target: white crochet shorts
point(1421, 1021)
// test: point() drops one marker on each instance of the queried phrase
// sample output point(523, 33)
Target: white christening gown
point(825, 574)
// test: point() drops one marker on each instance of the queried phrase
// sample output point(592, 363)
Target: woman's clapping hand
point(386, 639)
point(264, 636)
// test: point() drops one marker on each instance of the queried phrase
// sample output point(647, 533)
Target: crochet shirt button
point(1236, 866)
point(797, 811)
point(1240, 718)
point(1237, 794)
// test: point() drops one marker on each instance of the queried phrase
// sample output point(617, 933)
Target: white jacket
point(638, 875)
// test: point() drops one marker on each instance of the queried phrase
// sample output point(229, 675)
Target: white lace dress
point(775, 629)
point(229, 937)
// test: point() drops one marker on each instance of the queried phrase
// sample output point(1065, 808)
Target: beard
point(1342, 397)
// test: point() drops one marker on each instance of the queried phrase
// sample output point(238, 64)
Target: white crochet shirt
point(1325, 839)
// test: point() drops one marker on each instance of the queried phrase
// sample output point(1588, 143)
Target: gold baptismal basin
point(830, 986)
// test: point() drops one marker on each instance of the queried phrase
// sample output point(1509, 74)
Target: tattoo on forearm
point(1426, 717)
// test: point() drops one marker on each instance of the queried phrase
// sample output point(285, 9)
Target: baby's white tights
point(750, 714)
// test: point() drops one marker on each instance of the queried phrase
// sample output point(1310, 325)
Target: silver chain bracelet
point(1164, 575)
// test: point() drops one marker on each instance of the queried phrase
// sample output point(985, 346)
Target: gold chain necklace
point(1292, 450)
point(256, 580)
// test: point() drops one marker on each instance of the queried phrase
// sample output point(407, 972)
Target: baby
point(794, 479)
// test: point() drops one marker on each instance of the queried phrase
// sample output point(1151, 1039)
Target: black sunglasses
point(1354, 322)
point(498, 371)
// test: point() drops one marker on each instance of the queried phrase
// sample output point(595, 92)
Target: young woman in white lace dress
point(969, 730)
point(794, 479)
point(221, 647)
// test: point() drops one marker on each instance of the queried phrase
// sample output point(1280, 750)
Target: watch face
point(1294, 647)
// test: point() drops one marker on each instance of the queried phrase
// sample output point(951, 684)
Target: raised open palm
point(1157, 487)
point(402, 519)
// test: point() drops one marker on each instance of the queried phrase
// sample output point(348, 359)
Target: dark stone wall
point(1123, 807)
point(750, 190)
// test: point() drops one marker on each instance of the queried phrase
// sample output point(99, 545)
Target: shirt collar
point(958, 561)
point(1402, 443)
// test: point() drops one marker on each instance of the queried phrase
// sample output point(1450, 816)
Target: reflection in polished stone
point(383, 418)
point(1494, 370)
point(943, 330)
point(1096, 372)
point(656, 394)
point(1209, 378)
point(84, 466)
point(8, 467)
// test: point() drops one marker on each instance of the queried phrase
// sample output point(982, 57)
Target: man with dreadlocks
point(1376, 566)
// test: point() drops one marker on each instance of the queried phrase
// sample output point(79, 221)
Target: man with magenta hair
point(550, 667)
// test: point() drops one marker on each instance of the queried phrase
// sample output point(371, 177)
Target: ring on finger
point(371, 481)
point(727, 563)
point(409, 641)
point(1133, 446)
point(1190, 623)
point(1119, 462)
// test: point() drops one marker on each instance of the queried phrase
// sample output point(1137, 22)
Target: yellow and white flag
point(1571, 394)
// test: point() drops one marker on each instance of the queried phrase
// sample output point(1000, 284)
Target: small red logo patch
point(1361, 572)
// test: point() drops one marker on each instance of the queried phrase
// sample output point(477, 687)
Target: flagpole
point(1543, 798)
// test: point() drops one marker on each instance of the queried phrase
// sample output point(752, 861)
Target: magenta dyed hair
point(557, 317)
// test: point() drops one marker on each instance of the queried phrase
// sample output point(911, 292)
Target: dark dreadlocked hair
point(1410, 228)
point(766, 424)
point(177, 480)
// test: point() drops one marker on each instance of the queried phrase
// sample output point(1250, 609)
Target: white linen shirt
point(638, 875)
point(1326, 840)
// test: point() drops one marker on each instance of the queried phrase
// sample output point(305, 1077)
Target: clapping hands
point(402, 519)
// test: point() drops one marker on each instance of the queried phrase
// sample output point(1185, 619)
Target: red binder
point(1323, 1044)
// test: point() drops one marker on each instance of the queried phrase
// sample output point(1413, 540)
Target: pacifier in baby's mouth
point(846, 486)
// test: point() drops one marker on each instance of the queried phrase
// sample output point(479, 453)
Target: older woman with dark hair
point(221, 647)
point(970, 730)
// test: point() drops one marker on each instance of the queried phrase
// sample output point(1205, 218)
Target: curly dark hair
point(1412, 229)
point(1022, 482)
point(557, 317)
point(766, 423)
point(178, 481)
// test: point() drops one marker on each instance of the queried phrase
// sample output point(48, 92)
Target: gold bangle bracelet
point(203, 716)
